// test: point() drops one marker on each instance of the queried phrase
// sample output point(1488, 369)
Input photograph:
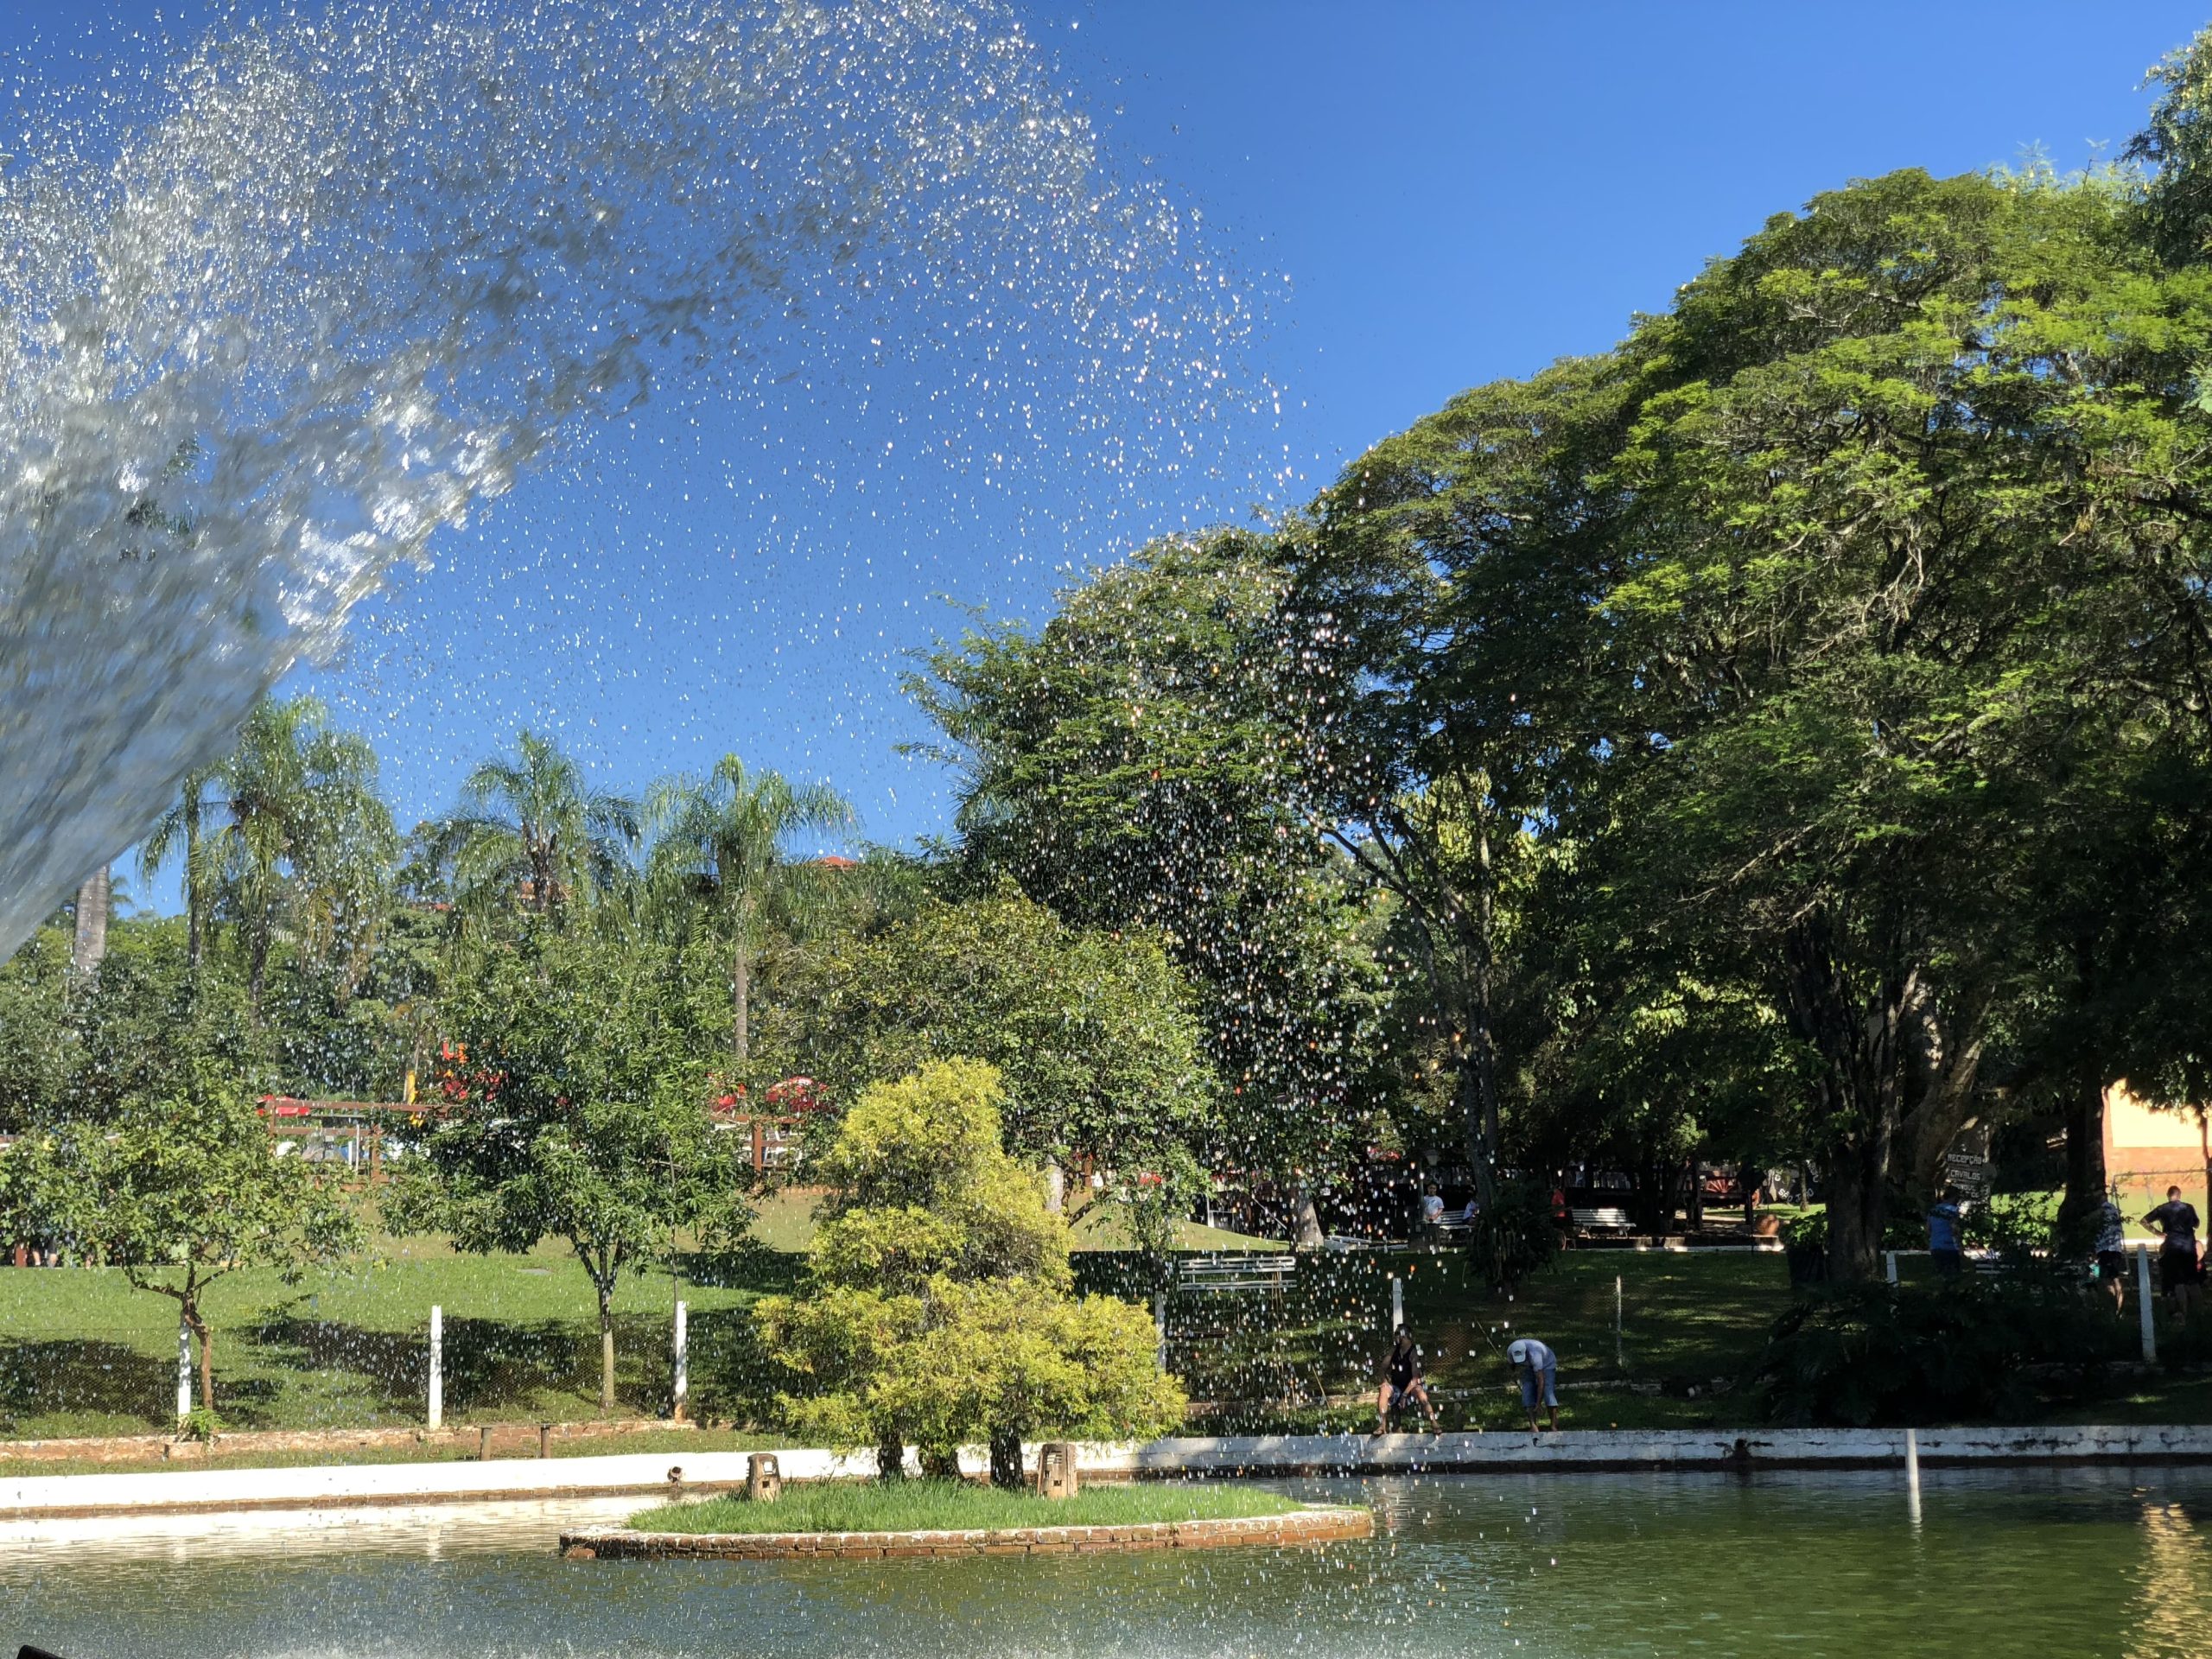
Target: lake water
point(2079, 1563)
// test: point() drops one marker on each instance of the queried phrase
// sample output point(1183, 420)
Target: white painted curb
point(1686, 1450)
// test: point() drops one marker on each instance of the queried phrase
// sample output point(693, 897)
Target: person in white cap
point(1538, 1368)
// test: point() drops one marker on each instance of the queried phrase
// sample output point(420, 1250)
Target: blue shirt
point(1541, 1358)
point(1943, 1227)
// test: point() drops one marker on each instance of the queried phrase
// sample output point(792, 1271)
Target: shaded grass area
point(679, 1442)
point(943, 1505)
point(81, 1353)
point(1687, 1320)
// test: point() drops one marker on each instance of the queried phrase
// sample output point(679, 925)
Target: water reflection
point(2086, 1563)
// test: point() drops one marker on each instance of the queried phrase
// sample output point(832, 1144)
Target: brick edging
point(1317, 1523)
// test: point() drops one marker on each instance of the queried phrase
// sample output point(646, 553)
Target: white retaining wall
point(1688, 1450)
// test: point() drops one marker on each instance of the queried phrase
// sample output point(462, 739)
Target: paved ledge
point(1689, 1450)
point(1316, 1525)
point(691, 1473)
point(166, 1448)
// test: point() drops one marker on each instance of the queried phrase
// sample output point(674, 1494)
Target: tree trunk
point(258, 976)
point(890, 1458)
point(2085, 1175)
point(1750, 1179)
point(606, 1349)
point(91, 924)
point(740, 993)
point(205, 1338)
point(1855, 1173)
point(195, 903)
point(1006, 1459)
point(1306, 1221)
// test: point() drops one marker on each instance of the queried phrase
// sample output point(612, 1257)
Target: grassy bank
point(81, 1353)
point(945, 1505)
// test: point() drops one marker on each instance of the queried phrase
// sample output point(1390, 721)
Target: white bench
point(1606, 1218)
point(1234, 1271)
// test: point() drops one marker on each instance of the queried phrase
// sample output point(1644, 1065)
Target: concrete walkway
point(202, 1489)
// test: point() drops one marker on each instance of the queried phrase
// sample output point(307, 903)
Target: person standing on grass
point(2176, 1224)
point(1537, 1367)
point(2112, 1250)
point(1400, 1382)
point(1943, 1235)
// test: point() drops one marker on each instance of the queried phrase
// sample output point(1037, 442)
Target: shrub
point(1858, 1355)
point(935, 1309)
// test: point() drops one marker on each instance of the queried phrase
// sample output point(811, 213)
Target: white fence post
point(682, 1388)
point(1912, 1475)
point(183, 1370)
point(437, 1413)
point(2146, 1305)
point(1159, 1323)
point(1620, 1361)
point(1397, 1302)
point(1893, 1266)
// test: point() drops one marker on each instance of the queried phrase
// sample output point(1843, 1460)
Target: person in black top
point(1400, 1382)
point(2179, 1271)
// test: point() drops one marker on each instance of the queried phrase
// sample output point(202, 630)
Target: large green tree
point(572, 1103)
point(1130, 763)
point(1903, 482)
point(1094, 1035)
point(182, 1190)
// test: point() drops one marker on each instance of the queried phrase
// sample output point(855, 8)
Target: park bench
point(1606, 1219)
point(1234, 1271)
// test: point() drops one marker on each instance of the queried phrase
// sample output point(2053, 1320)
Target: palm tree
point(180, 830)
point(529, 830)
point(306, 837)
point(723, 840)
point(89, 944)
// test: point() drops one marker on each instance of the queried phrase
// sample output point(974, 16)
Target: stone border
point(1718, 1451)
point(1316, 1523)
point(459, 1437)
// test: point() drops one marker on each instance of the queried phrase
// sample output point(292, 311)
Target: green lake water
point(2078, 1563)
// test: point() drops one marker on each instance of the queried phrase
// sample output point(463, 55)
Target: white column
point(2146, 1305)
point(1912, 1475)
point(183, 1369)
point(1397, 1302)
point(683, 1349)
point(437, 1412)
point(1893, 1266)
point(1620, 1361)
point(1159, 1323)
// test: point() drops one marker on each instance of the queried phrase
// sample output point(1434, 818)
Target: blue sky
point(1455, 193)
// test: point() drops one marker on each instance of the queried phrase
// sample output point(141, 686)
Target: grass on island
point(948, 1505)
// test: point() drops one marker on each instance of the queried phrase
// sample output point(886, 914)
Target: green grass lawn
point(939, 1505)
point(81, 1353)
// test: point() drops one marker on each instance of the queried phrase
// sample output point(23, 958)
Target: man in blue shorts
point(1538, 1368)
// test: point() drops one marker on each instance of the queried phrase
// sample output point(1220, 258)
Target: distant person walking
point(2112, 1250)
point(1943, 1235)
point(1538, 1368)
point(1400, 1382)
point(2178, 1270)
